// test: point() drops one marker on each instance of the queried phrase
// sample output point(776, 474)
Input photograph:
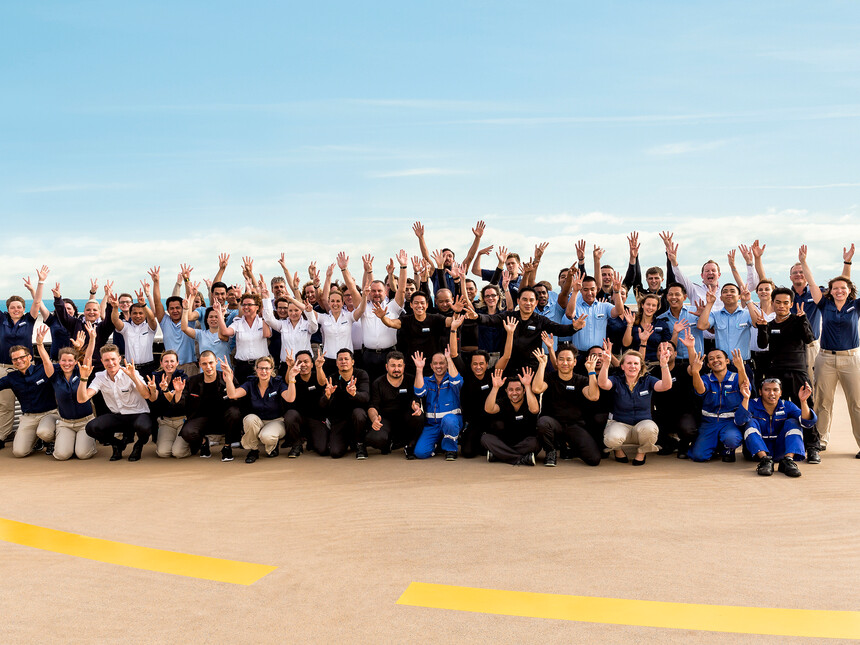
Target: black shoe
point(409, 453)
point(491, 457)
point(621, 460)
point(639, 462)
point(765, 467)
point(566, 454)
point(49, 449)
point(788, 466)
point(295, 451)
point(274, 453)
point(729, 457)
point(527, 460)
point(823, 448)
point(682, 455)
point(39, 445)
point(205, 452)
point(226, 453)
point(666, 450)
point(135, 452)
point(450, 456)
point(360, 451)
point(550, 458)
point(117, 453)
point(2, 444)
point(252, 456)
point(813, 456)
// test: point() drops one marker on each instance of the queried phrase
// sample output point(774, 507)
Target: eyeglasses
point(249, 304)
point(263, 368)
point(15, 359)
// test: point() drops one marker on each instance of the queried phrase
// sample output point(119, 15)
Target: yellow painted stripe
point(646, 613)
point(129, 555)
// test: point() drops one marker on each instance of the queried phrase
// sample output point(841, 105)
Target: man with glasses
point(773, 427)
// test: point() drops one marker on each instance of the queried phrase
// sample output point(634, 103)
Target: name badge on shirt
point(40, 381)
point(643, 393)
point(271, 394)
point(570, 387)
point(485, 387)
point(532, 328)
point(743, 325)
point(126, 390)
point(851, 308)
point(74, 378)
point(519, 417)
point(22, 323)
point(780, 413)
point(402, 391)
point(728, 387)
point(658, 329)
point(311, 387)
point(673, 379)
point(775, 331)
point(426, 330)
point(144, 333)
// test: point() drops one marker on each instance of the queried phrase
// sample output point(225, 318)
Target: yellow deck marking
point(129, 555)
point(646, 613)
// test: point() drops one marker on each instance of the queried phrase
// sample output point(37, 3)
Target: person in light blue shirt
point(597, 313)
point(679, 318)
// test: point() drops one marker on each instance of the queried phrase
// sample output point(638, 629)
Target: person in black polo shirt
point(165, 400)
point(208, 410)
point(266, 394)
point(345, 404)
point(477, 381)
point(34, 391)
point(562, 421)
point(71, 438)
point(512, 437)
point(304, 417)
point(788, 336)
point(396, 418)
point(677, 411)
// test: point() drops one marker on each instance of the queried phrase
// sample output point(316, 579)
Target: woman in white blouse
point(296, 330)
point(251, 334)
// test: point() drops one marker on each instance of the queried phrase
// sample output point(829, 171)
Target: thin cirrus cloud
point(416, 172)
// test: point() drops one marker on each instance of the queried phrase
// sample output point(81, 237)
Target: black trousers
point(470, 437)
point(228, 423)
point(374, 362)
point(299, 428)
point(685, 425)
point(103, 428)
point(396, 431)
point(342, 434)
point(509, 454)
point(554, 434)
point(242, 370)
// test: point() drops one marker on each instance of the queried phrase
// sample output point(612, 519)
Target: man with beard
point(396, 418)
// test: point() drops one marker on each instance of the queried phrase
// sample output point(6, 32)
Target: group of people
point(455, 359)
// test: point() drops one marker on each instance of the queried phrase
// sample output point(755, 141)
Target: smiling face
point(279, 289)
point(650, 306)
point(631, 366)
point(125, 302)
point(515, 391)
point(15, 309)
point(729, 295)
point(444, 300)
point(606, 275)
point(479, 365)
point(66, 361)
point(710, 273)
point(764, 290)
point(717, 361)
point(335, 303)
point(208, 365)
point(798, 279)
point(654, 280)
point(566, 361)
point(220, 294)
point(471, 290)
point(419, 304)
point(91, 312)
point(377, 292)
point(174, 310)
point(137, 315)
point(542, 295)
point(589, 291)
point(439, 365)
point(839, 290)
point(249, 308)
point(21, 359)
point(306, 365)
point(770, 393)
point(675, 297)
point(527, 302)
point(345, 363)
point(169, 363)
point(512, 265)
point(111, 362)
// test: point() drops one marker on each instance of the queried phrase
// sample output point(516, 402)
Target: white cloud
point(685, 147)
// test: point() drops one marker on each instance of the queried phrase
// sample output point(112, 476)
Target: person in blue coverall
point(441, 394)
point(774, 426)
point(721, 397)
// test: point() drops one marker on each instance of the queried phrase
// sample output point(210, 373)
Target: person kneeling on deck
point(774, 426)
point(441, 393)
point(721, 397)
point(512, 437)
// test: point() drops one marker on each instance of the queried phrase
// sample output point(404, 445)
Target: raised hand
point(186, 270)
point(540, 249)
point(510, 324)
point(540, 356)
point(628, 317)
point(418, 359)
point(607, 350)
point(79, 340)
point(579, 323)
point(526, 376)
point(663, 355)
point(498, 379)
point(478, 230)
point(547, 339)
point(330, 388)
point(402, 257)
point(804, 392)
point(342, 261)
point(737, 360)
point(86, 370)
point(633, 243)
point(688, 340)
point(502, 253)
point(745, 389)
point(847, 253)
point(41, 332)
point(680, 326)
point(43, 272)
point(580, 250)
point(178, 386)
point(460, 304)
point(597, 253)
point(438, 258)
point(731, 258)
point(591, 363)
point(154, 274)
point(150, 383)
point(94, 285)
point(418, 229)
point(350, 387)
point(165, 382)
point(56, 291)
point(745, 251)
point(801, 253)
point(711, 296)
point(696, 361)
point(416, 409)
point(319, 361)
point(28, 286)
point(645, 332)
point(367, 261)
point(91, 329)
point(758, 249)
point(223, 259)
point(456, 321)
point(294, 371)
point(226, 370)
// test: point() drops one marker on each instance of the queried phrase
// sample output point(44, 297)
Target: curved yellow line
point(646, 613)
point(129, 555)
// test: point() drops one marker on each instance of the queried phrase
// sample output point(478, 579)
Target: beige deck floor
point(348, 537)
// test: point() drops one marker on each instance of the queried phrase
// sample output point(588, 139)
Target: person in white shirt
point(296, 330)
point(125, 395)
point(138, 331)
point(250, 332)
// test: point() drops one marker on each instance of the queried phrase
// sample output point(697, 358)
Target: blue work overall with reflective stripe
point(444, 418)
point(776, 434)
point(720, 401)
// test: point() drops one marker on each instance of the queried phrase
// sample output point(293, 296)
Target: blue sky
point(146, 133)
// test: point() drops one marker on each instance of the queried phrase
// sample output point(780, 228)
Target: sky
point(137, 134)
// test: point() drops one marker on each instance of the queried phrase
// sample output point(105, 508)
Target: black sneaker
point(135, 452)
point(274, 453)
point(360, 451)
point(682, 455)
point(491, 457)
point(729, 457)
point(252, 456)
point(39, 445)
point(788, 466)
point(226, 453)
point(550, 458)
point(295, 451)
point(205, 452)
point(813, 456)
point(2, 444)
point(450, 456)
point(49, 449)
point(117, 453)
point(566, 454)
point(527, 460)
point(765, 467)
point(409, 453)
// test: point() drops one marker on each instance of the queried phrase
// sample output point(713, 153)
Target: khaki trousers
point(811, 354)
point(72, 438)
point(257, 431)
point(641, 436)
point(169, 443)
point(32, 426)
point(7, 406)
point(830, 369)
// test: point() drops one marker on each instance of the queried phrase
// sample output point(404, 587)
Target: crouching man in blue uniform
point(721, 396)
point(441, 394)
point(774, 427)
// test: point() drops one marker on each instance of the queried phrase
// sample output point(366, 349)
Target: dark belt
point(380, 351)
